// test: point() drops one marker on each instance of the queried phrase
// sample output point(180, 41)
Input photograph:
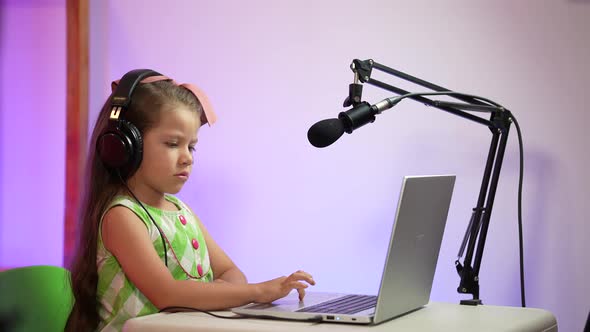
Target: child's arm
point(223, 267)
point(126, 237)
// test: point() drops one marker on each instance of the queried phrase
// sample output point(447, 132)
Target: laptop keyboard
point(349, 304)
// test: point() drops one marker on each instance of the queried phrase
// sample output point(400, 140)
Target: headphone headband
point(122, 94)
point(207, 117)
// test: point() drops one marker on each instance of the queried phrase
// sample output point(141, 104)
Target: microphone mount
point(498, 123)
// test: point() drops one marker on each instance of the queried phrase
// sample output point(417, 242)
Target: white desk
point(435, 316)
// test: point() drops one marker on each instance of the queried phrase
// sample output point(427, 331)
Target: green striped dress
point(188, 258)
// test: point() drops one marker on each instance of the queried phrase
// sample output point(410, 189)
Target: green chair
point(35, 298)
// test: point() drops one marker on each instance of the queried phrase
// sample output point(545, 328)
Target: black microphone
point(325, 132)
point(329, 131)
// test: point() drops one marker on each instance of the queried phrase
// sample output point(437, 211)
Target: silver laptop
point(410, 263)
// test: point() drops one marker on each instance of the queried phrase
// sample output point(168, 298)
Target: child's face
point(168, 151)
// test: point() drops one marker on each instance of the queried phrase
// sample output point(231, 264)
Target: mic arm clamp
point(499, 125)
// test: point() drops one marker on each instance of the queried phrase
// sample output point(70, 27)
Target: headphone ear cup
point(120, 148)
point(136, 148)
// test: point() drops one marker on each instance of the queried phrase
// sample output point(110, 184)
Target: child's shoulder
point(182, 205)
point(121, 199)
point(178, 202)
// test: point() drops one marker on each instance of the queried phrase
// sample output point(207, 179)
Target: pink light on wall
point(32, 132)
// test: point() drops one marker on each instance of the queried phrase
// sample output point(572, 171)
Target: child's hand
point(274, 289)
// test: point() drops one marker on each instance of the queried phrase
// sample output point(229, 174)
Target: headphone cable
point(173, 309)
point(149, 215)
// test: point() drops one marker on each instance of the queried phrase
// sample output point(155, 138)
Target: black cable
point(180, 308)
point(315, 319)
point(449, 93)
point(149, 215)
point(520, 241)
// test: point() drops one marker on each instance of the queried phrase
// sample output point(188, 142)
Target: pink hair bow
point(208, 115)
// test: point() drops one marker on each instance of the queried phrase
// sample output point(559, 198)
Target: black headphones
point(120, 145)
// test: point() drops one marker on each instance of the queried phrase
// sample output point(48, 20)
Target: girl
point(140, 248)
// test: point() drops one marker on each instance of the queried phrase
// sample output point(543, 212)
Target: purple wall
point(2, 28)
point(32, 132)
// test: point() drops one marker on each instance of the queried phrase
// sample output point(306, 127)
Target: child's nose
point(187, 158)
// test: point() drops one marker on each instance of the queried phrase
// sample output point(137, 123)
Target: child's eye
point(191, 148)
point(172, 144)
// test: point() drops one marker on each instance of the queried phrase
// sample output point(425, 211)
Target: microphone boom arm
point(499, 125)
point(364, 70)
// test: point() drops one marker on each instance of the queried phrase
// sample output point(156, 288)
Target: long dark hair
point(148, 104)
